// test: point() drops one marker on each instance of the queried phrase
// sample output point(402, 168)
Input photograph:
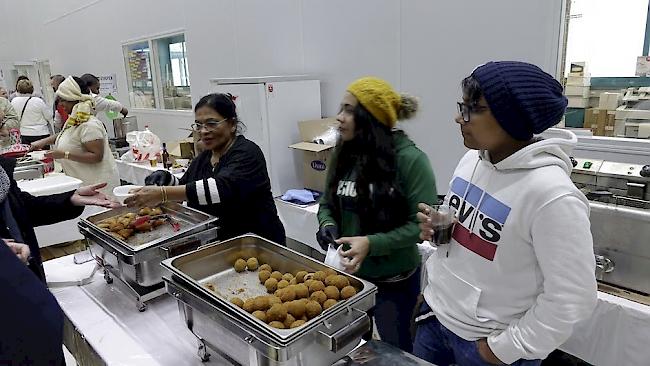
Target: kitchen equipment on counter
point(124, 125)
point(136, 262)
point(28, 168)
point(619, 199)
point(218, 323)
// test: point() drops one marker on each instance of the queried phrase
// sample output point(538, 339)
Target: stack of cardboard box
point(601, 120)
point(577, 92)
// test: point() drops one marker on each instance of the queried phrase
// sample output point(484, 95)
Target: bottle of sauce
point(167, 163)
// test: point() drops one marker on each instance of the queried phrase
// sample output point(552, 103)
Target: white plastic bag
point(333, 258)
point(145, 145)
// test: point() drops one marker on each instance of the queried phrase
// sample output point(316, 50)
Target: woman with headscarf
point(82, 146)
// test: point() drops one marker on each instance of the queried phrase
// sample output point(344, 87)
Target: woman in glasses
point(228, 179)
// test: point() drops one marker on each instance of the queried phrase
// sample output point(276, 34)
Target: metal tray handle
point(188, 244)
point(350, 332)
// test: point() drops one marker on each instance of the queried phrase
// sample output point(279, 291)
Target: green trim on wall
point(619, 82)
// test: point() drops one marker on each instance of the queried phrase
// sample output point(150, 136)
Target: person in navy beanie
point(518, 273)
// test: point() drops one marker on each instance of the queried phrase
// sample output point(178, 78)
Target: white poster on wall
point(108, 84)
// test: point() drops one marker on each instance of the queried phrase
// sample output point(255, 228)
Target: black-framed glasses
point(209, 124)
point(466, 110)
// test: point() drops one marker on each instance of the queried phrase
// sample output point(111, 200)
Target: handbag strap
point(25, 106)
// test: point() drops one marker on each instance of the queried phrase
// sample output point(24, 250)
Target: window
point(158, 74)
point(172, 60)
point(607, 34)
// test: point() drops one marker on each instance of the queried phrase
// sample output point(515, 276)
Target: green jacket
point(395, 251)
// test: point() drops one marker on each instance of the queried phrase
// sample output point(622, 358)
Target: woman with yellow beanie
point(375, 180)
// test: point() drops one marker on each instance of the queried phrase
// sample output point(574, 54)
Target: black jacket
point(237, 190)
point(30, 318)
point(30, 211)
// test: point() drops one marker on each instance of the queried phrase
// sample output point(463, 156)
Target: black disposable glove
point(327, 235)
point(159, 178)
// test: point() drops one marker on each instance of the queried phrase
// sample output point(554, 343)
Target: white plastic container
point(121, 193)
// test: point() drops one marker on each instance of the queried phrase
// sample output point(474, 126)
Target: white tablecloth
point(616, 334)
point(63, 231)
point(300, 223)
point(135, 173)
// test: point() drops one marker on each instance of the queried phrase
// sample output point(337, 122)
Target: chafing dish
point(241, 338)
point(136, 262)
point(27, 169)
point(619, 199)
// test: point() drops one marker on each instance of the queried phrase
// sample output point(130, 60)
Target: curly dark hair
point(371, 153)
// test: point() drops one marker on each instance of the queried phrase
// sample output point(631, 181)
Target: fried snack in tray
point(125, 226)
point(296, 297)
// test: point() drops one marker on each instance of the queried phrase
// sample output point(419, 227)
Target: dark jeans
point(440, 346)
point(394, 309)
point(29, 139)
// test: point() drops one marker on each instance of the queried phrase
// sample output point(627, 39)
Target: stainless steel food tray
point(214, 264)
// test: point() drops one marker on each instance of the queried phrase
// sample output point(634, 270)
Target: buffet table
point(135, 173)
point(61, 232)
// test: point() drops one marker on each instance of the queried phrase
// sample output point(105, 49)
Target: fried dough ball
point(260, 315)
point(316, 286)
point(301, 290)
point(330, 280)
point(297, 323)
point(308, 282)
point(332, 292)
point(296, 308)
point(271, 285)
point(289, 320)
point(277, 275)
point(273, 300)
point(261, 303)
point(263, 276)
point(278, 325)
point(266, 267)
point(300, 276)
point(287, 277)
point(293, 282)
point(240, 265)
point(329, 303)
point(237, 301)
point(329, 272)
point(318, 296)
point(320, 276)
point(348, 292)
point(252, 264)
point(249, 305)
point(313, 309)
point(282, 284)
point(341, 281)
point(277, 312)
point(287, 294)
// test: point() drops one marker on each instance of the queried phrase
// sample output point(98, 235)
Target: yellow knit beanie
point(382, 101)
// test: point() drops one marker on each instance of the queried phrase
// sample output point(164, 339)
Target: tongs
point(176, 226)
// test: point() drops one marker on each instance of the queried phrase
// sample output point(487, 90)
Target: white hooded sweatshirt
point(520, 268)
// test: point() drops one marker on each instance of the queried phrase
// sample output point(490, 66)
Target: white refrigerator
point(270, 108)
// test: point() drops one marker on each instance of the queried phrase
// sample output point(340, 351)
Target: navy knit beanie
point(524, 99)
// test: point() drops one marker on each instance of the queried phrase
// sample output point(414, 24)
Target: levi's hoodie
point(519, 270)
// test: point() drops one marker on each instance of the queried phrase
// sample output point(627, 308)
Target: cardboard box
point(601, 122)
point(576, 91)
point(578, 80)
point(578, 102)
point(608, 101)
point(315, 156)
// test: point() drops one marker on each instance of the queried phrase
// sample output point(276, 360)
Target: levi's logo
point(490, 218)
